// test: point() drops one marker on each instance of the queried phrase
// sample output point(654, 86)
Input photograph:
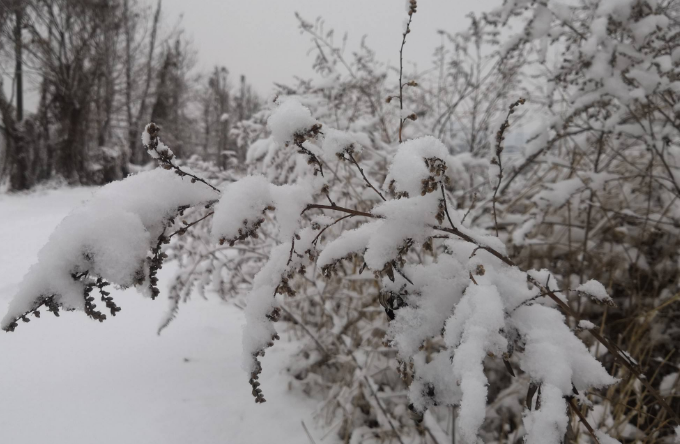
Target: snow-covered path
point(73, 380)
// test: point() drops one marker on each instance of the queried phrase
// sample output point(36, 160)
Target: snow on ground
point(73, 380)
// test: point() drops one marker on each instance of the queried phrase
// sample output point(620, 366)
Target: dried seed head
point(152, 129)
point(412, 6)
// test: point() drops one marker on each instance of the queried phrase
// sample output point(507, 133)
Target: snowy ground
point(73, 380)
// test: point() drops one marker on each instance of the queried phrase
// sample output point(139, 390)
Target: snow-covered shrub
point(115, 238)
point(594, 193)
point(467, 294)
point(406, 297)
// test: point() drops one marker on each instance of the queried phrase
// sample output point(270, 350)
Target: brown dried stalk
point(411, 10)
point(500, 137)
point(166, 159)
point(361, 170)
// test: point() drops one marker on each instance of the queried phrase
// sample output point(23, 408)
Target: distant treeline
point(102, 69)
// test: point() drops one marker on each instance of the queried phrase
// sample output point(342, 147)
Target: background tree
point(103, 69)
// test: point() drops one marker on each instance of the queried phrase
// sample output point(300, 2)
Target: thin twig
point(292, 248)
point(583, 419)
point(166, 159)
point(412, 10)
point(328, 226)
point(311, 440)
point(321, 348)
point(343, 209)
point(401, 273)
point(472, 205)
point(446, 207)
point(183, 230)
point(377, 400)
point(361, 170)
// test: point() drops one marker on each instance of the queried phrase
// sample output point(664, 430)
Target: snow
point(288, 119)
point(408, 168)
point(244, 202)
point(406, 113)
point(553, 355)
point(520, 234)
point(160, 148)
point(259, 331)
point(664, 63)
point(473, 332)
point(599, 180)
point(548, 424)
point(537, 141)
point(605, 439)
point(668, 384)
point(595, 290)
point(541, 21)
point(238, 215)
point(260, 148)
point(439, 285)
point(146, 137)
point(453, 312)
point(620, 9)
point(642, 28)
point(352, 241)
point(585, 325)
point(404, 219)
point(649, 80)
point(109, 236)
point(336, 141)
point(71, 380)
point(557, 194)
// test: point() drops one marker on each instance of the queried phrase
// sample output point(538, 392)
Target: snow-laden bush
point(470, 294)
point(339, 230)
point(594, 193)
point(107, 240)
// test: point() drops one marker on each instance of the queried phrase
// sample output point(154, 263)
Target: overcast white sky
point(260, 38)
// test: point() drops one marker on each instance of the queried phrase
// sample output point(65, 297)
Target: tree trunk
point(70, 163)
point(135, 128)
point(18, 45)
